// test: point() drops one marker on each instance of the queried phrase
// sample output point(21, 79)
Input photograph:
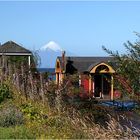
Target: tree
point(36, 58)
point(128, 66)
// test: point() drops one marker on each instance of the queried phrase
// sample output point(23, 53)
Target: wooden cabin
point(96, 74)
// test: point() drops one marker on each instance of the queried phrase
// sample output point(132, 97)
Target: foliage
point(18, 132)
point(18, 59)
point(4, 92)
point(128, 66)
point(32, 113)
point(61, 127)
point(70, 86)
point(67, 124)
point(15, 62)
point(36, 58)
point(97, 115)
point(10, 115)
point(36, 118)
point(51, 94)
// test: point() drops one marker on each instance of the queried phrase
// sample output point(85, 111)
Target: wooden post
point(57, 79)
point(90, 81)
point(102, 86)
point(79, 79)
point(60, 77)
point(112, 90)
point(93, 86)
point(29, 61)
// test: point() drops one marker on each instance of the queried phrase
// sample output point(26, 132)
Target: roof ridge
point(11, 46)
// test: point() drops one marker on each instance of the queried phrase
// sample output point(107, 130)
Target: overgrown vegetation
point(4, 92)
point(128, 68)
point(35, 107)
point(10, 116)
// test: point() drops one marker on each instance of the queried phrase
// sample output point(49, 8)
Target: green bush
point(51, 94)
point(18, 132)
point(33, 113)
point(30, 111)
point(51, 99)
point(10, 116)
point(4, 92)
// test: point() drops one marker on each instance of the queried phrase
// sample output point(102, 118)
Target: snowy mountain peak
point(52, 46)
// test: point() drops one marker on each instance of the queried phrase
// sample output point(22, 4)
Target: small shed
point(11, 48)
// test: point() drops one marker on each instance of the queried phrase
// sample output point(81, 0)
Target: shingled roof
point(83, 64)
point(12, 47)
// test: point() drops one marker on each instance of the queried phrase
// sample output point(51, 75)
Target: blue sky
point(79, 27)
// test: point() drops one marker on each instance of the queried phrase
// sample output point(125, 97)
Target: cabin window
point(102, 67)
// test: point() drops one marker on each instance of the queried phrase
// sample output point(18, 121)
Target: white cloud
point(52, 45)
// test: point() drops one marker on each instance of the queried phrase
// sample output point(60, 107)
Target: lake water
point(51, 72)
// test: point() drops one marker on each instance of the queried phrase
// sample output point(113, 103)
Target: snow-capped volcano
point(48, 54)
point(51, 45)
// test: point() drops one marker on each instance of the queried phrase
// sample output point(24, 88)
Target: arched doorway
point(102, 76)
point(102, 85)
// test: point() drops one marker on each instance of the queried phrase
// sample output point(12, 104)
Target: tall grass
point(18, 132)
point(47, 114)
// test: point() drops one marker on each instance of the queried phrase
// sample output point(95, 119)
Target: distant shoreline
point(50, 70)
